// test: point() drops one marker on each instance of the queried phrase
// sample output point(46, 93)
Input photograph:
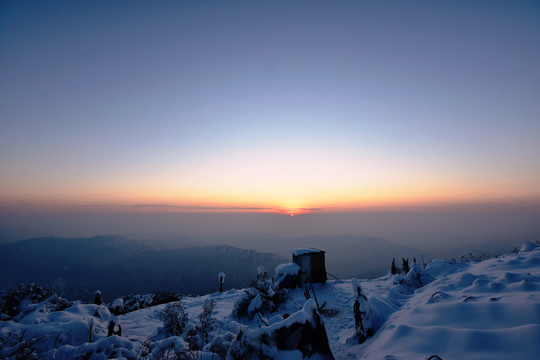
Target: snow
point(528, 246)
point(476, 310)
point(298, 252)
point(118, 303)
point(255, 304)
point(287, 269)
point(286, 272)
point(301, 316)
point(486, 309)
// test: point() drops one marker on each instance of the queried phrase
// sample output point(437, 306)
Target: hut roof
point(298, 252)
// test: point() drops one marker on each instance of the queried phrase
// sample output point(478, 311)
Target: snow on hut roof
point(298, 252)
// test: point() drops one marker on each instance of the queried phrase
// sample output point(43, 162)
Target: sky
point(287, 107)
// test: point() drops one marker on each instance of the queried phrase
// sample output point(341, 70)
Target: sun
point(292, 214)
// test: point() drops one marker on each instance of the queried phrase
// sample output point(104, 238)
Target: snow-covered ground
point(455, 310)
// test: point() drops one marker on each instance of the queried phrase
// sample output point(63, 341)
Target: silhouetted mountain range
point(346, 256)
point(117, 266)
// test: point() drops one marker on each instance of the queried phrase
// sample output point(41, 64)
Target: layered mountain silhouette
point(76, 267)
point(117, 266)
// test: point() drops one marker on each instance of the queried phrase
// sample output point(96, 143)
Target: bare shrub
point(174, 318)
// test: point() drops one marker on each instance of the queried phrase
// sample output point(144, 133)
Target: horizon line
point(58, 206)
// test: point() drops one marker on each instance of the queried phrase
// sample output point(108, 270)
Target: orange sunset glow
point(208, 119)
point(276, 180)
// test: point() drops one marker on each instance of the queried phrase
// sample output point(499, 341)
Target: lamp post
point(221, 277)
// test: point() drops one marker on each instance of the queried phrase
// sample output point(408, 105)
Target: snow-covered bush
point(415, 278)
point(75, 332)
point(198, 335)
point(20, 345)
point(134, 302)
point(239, 347)
point(243, 303)
point(263, 282)
point(179, 338)
point(220, 344)
point(114, 327)
point(170, 348)
point(114, 347)
point(287, 275)
point(98, 300)
point(264, 295)
point(118, 306)
point(364, 315)
point(138, 301)
point(303, 333)
point(164, 298)
point(175, 318)
point(206, 320)
point(478, 256)
point(14, 300)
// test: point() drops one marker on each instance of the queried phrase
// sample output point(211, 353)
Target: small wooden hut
point(311, 261)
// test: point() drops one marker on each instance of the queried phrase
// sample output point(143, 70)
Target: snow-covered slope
point(485, 310)
point(454, 310)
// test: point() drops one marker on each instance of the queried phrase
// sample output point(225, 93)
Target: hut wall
point(314, 265)
point(318, 268)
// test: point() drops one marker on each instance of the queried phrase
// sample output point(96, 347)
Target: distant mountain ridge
point(118, 266)
point(347, 256)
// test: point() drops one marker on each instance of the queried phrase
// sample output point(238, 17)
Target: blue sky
point(284, 104)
